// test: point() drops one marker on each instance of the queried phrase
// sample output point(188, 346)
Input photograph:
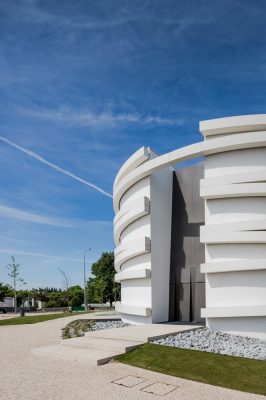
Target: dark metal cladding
point(187, 284)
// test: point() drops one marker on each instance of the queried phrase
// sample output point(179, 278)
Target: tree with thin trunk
point(14, 274)
point(65, 283)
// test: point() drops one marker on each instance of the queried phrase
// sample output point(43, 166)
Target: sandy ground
point(25, 376)
point(6, 316)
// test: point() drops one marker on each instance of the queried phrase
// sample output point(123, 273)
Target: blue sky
point(83, 85)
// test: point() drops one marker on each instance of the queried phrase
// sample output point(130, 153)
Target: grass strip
point(215, 369)
point(35, 319)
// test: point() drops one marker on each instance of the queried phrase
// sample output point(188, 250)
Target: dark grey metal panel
point(197, 300)
point(184, 292)
point(187, 253)
point(195, 275)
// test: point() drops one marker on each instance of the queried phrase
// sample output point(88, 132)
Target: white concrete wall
point(240, 326)
point(136, 293)
point(132, 235)
point(234, 190)
point(144, 214)
point(234, 233)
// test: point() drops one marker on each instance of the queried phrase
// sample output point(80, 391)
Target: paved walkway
point(27, 377)
point(99, 347)
point(27, 314)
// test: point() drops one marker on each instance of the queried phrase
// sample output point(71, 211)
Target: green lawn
point(216, 369)
point(36, 318)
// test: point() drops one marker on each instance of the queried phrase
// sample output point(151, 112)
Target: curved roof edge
point(236, 124)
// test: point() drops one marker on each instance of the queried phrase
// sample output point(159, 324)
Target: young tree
point(65, 284)
point(14, 274)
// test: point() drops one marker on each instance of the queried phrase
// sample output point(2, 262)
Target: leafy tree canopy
point(101, 287)
point(5, 291)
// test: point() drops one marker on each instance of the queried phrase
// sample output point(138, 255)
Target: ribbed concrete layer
point(234, 191)
point(139, 157)
point(229, 125)
point(127, 215)
point(137, 274)
point(214, 146)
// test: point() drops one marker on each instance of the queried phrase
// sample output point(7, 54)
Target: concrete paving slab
point(129, 381)
point(91, 357)
point(99, 347)
point(142, 333)
point(159, 388)
point(102, 343)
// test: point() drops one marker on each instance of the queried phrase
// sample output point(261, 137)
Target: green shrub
point(77, 328)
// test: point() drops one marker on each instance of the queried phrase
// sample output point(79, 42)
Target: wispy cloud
point(102, 119)
point(54, 166)
point(31, 12)
point(32, 254)
point(15, 213)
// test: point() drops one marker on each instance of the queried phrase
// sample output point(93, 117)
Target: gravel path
point(208, 340)
point(25, 376)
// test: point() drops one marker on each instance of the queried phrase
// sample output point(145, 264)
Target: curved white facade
point(138, 268)
point(234, 234)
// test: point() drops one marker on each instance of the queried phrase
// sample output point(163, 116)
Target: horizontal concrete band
point(234, 237)
point(139, 157)
point(127, 215)
point(241, 123)
point(133, 274)
point(233, 266)
point(139, 203)
point(129, 244)
point(131, 249)
point(213, 146)
point(134, 310)
point(234, 190)
point(258, 224)
point(228, 312)
point(256, 175)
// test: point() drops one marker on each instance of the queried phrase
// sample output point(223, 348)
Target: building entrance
point(187, 284)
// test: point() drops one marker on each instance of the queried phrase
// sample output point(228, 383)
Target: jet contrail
point(56, 167)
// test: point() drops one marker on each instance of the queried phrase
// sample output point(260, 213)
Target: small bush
point(77, 328)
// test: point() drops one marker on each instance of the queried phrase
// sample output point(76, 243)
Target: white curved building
point(158, 212)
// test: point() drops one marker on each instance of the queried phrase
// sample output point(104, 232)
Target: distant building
point(8, 302)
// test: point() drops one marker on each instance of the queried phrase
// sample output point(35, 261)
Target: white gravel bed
point(205, 339)
point(100, 325)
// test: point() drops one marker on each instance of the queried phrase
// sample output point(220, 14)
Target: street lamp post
point(84, 271)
